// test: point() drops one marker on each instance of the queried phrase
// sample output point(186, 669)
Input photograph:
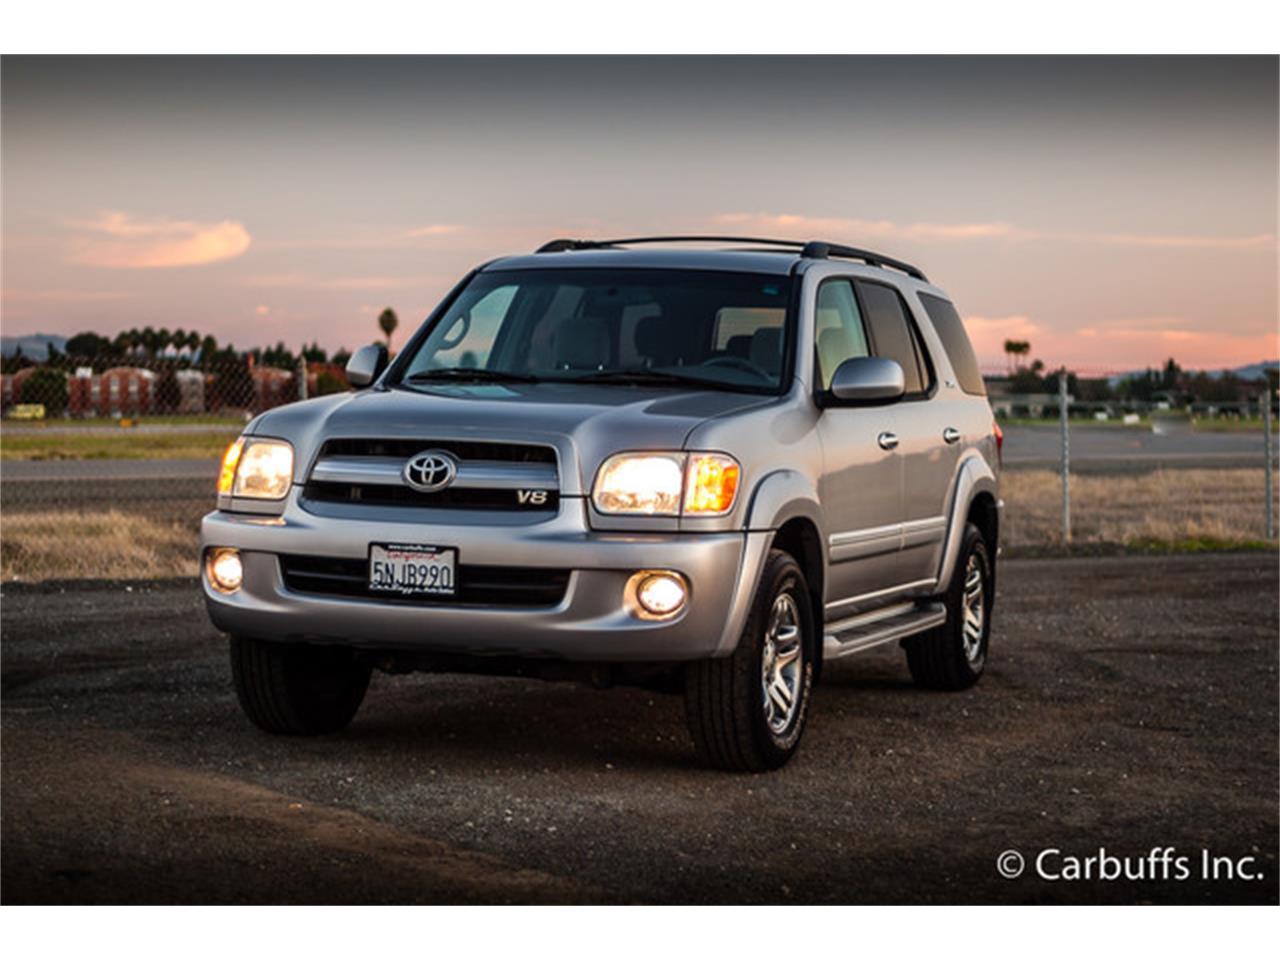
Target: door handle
point(951, 435)
point(887, 440)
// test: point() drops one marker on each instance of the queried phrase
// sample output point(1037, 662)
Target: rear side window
point(892, 333)
point(956, 342)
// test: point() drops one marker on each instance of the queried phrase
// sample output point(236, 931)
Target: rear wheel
point(747, 711)
point(952, 656)
point(297, 688)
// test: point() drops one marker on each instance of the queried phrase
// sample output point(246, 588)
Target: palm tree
point(1014, 350)
point(387, 323)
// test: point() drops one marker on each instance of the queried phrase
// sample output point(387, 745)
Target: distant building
point(273, 387)
point(118, 392)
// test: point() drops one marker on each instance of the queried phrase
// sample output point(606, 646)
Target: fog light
point(225, 570)
point(660, 594)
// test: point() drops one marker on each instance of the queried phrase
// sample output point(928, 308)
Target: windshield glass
point(724, 330)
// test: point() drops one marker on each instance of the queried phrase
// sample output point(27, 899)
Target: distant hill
point(1255, 370)
point(34, 345)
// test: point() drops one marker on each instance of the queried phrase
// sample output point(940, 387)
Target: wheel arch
point(975, 498)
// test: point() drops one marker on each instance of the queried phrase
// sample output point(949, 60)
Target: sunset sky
point(1113, 212)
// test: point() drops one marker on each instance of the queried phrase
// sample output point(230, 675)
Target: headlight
point(258, 469)
point(667, 484)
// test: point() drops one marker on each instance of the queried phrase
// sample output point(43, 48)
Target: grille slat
point(491, 475)
point(462, 449)
point(478, 585)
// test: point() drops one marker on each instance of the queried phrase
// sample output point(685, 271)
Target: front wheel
point(747, 711)
point(297, 688)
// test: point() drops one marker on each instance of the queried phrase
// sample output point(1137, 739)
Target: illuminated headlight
point(258, 469)
point(667, 484)
point(224, 569)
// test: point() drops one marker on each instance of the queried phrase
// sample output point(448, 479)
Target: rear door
point(928, 453)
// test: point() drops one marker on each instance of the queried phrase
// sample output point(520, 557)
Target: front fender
point(781, 496)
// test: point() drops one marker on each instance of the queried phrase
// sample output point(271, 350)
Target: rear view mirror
point(366, 364)
point(868, 380)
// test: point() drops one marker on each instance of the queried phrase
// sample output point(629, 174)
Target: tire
point(952, 656)
point(297, 688)
point(732, 725)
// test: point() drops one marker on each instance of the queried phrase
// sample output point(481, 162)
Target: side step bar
point(866, 630)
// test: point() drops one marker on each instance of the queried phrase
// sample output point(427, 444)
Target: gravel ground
point(1130, 703)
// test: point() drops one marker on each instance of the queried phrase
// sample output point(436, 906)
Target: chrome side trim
point(492, 475)
point(868, 533)
point(918, 533)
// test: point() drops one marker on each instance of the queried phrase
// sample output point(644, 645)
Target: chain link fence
point(108, 461)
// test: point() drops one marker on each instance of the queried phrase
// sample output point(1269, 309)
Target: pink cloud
point(118, 241)
point(878, 229)
point(434, 230)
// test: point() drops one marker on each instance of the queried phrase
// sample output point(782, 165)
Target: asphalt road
point(1130, 704)
point(38, 483)
point(1125, 450)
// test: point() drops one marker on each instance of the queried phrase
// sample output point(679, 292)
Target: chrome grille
point(490, 475)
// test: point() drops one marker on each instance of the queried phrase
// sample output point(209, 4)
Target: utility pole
point(1066, 456)
point(1268, 450)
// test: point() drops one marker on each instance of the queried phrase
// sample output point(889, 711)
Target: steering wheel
point(738, 363)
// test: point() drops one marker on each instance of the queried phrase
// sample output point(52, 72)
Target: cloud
point(876, 229)
point(312, 282)
point(434, 230)
point(862, 230)
point(119, 241)
point(63, 296)
point(1176, 241)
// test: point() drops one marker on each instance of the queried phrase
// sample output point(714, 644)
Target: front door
point(861, 484)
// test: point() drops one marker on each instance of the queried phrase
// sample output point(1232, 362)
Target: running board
point(867, 630)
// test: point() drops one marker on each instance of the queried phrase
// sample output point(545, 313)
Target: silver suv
point(647, 461)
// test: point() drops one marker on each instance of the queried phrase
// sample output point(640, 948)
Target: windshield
point(721, 330)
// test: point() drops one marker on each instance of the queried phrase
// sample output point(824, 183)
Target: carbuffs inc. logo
point(430, 471)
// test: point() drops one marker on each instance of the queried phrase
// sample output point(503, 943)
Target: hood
point(585, 422)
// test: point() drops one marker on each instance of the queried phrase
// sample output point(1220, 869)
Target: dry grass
point(104, 544)
point(1164, 507)
point(1168, 510)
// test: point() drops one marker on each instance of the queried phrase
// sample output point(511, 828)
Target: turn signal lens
point(230, 459)
point(712, 483)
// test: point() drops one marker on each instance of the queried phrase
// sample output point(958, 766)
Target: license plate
point(411, 569)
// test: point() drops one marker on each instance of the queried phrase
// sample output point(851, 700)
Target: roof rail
point(811, 249)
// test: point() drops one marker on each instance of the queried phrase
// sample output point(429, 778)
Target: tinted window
point(727, 329)
point(838, 331)
point(956, 342)
point(891, 332)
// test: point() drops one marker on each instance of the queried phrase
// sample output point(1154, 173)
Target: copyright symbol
point(1010, 864)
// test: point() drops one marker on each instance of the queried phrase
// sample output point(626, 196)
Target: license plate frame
point(413, 570)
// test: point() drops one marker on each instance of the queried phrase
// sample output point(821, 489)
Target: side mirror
point(868, 380)
point(365, 364)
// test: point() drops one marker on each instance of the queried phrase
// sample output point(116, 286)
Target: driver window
point(465, 338)
point(838, 331)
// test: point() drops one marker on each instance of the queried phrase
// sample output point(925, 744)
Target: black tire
point(938, 659)
point(297, 688)
point(725, 697)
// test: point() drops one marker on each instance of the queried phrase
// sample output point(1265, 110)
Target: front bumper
point(591, 623)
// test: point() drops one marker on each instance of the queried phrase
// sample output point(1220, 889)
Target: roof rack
point(811, 249)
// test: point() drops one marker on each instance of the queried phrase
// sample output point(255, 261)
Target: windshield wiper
point(469, 374)
point(640, 375)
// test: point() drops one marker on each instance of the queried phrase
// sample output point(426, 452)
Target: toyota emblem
point(430, 471)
